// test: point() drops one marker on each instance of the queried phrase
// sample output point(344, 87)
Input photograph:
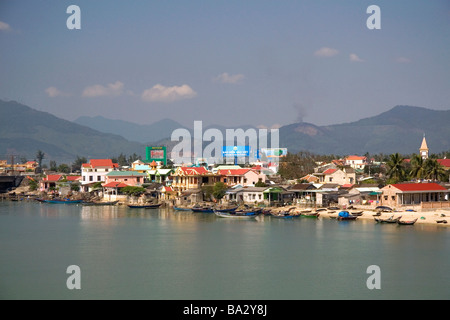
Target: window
point(392, 198)
point(385, 198)
point(91, 178)
point(99, 178)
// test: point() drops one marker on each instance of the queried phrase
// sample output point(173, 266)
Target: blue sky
point(258, 62)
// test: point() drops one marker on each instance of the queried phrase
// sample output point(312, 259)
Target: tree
point(434, 170)
point(219, 190)
point(53, 166)
point(76, 165)
point(396, 168)
point(63, 168)
point(418, 169)
point(39, 157)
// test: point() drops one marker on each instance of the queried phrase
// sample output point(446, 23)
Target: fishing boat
point(388, 220)
point(65, 201)
point(100, 203)
point(202, 209)
point(310, 214)
point(356, 213)
point(144, 206)
point(226, 209)
point(406, 222)
point(234, 215)
point(345, 215)
point(182, 208)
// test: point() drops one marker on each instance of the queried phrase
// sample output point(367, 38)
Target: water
point(161, 254)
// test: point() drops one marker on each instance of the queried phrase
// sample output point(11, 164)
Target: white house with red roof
point(404, 194)
point(356, 162)
point(57, 181)
point(244, 177)
point(345, 176)
point(95, 171)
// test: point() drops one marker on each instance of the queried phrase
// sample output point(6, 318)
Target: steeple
point(424, 148)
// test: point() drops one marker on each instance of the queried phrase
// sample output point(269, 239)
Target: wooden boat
point(441, 221)
point(310, 214)
point(406, 222)
point(345, 215)
point(234, 215)
point(100, 203)
point(182, 208)
point(388, 220)
point(226, 209)
point(356, 213)
point(284, 215)
point(144, 206)
point(202, 209)
point(65, 201)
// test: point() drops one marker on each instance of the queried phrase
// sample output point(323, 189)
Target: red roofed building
point(403, 194)
point(49, 181)
point(356, 162)
point(95, 171)
point(445, 163)
point(244, 177)
point(343, 176)
point(185, 178)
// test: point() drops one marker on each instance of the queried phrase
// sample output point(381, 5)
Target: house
point(48, 183)
point(403, 194)
point(445, 163)
point(304, 193)
point(342, 176)
point(159, 175)
point(243, 176)
point(167, 193)
point(130, 178)
point(356, 162)
point(95, 171)
point(368, 194)
point(185, 178)
point(249, 195)
point(310, 178)
point(58, 182)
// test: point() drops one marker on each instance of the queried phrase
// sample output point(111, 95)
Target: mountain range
point(24, 130)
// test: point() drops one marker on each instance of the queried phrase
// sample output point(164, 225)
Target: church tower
point(424, 148)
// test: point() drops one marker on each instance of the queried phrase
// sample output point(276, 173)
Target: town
point(417, 183)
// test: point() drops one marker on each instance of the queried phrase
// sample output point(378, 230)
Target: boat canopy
point(344, 214)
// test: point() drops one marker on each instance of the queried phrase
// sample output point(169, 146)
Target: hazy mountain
point(400, 129)
point(131, 131)
point(24, 130)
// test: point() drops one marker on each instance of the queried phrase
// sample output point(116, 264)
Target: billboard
point(235, 151)
point(274, 152)
point(156, 154)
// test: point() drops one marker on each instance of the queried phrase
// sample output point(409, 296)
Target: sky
point(231, 63)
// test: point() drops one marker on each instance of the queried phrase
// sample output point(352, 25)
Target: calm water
point(163, 254)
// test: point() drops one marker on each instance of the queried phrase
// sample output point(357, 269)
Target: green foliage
point(133, 190)
point(39, 157)
point(97, 185)
point(33, 185)
point(219, 190)
point(396, 167)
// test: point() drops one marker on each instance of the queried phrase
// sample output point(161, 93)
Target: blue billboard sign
point(235, 151)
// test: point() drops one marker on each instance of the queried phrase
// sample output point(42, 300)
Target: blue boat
point(201, 209)
point(182, 209)
point(65, 201)
point(145, 206)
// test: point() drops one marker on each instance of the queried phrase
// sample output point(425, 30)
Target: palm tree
point(434, 170)
point(418, 169)
point(396, 168)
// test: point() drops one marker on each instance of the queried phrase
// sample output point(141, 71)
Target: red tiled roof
point(233, 172)
point(419, 187)
point(444, 162)
point(194, 171)
point(329, 171)
point(100, 163)
point(53, 177)
point(115, 184)
point(73, 178)
point(355, 158)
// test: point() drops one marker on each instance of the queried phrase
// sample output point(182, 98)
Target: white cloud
point(98, 90)
point(227, 78)
point(403, 60)
point(168, 94)
point(355, 58)
point(326, 52)
point(53, 92)
point(4, 26)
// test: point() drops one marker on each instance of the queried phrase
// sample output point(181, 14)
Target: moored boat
point(65, 201)
point(406, 222)
point(144, 206)
point(310, 214)
point(388, 220)
point(202, 209)
point(100, 203)
point(234, 215)
point(182, 208)
point(345, 215)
